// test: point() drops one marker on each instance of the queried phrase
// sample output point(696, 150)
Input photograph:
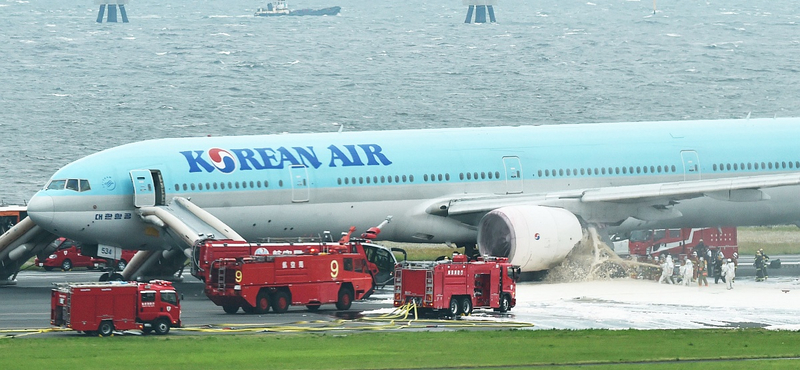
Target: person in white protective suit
point(729, 271)
point(666, 271)
point(687, 271)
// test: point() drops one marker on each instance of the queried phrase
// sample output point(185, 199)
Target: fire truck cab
point(311, 277)
point(103, 307)
point(457, 287)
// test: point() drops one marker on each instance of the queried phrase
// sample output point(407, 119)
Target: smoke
point(592, 259)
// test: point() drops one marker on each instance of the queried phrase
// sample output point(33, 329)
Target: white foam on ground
point(643, 304)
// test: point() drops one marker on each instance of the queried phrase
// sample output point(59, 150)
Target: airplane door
point(513, 175)
point(300, 183)
point(691, 165)
point(144, 192)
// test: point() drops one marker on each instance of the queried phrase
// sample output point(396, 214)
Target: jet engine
point(535, 238)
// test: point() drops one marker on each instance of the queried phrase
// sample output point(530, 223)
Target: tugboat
point(279, 7)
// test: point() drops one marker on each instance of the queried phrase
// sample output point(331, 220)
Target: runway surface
point(610, 304)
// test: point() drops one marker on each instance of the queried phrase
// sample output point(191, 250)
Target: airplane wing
point(616, 203)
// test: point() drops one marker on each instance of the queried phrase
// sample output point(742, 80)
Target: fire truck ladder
point(429, 286)
point(221, 278)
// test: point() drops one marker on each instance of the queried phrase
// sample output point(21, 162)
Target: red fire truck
point(381, 259)
point(334, 274)
point(103, 307)
point(67, 255)
point(457, 286)
point(679, 242)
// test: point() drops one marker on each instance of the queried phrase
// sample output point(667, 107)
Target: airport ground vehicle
point(67, 255)
point(338, 273)
point(457, 286)
point(103, 307)
point(680, 242)
point(382, 259)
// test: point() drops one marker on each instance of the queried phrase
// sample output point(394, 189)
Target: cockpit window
point(69, 184)
point(72, 184)
point(85, 185)
point(56, 185)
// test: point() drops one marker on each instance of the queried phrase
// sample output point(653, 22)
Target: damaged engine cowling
point(535, 238)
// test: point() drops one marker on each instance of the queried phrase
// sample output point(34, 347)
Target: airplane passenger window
point(630, 169)
point(361, 180)
point(714, 167)
point(221, 185)
point(603, 170)
point(741, 165)
point(469, 176)
point(397, 178)
point(425, 177)
point(624, 170)
point(236, 184)
point(230, 185)
point(266, 183)
point(728, 167)
point(86, 187)
point(796, 164)
point(461, 176)
point(749, 166)
point(244, 184)
point(483, 175)
point(540, 174)
point(497, 174)
point(568, 172)
point(383, 179)
point(339, 180)
point(280, 183)
point(216, 186)
point(200, 186)
point(251, 184)
point(404, 178)
point(177, 187)
point(440, 177)
point(638, 169)
point(674, 169)
point(783, 164)
point(374, 179)
point(346, 181)
point(192, 186)
point(574, 172)
point(411, 178)
point(583, 172)
point(368, 179)
point(561, 172)
point(735, 166)
point(490, 174)
point(547, 173)
point(184, 187)
point(769, 165)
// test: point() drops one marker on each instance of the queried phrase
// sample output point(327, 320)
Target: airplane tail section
point(19, 244)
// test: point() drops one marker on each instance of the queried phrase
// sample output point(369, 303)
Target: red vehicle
point(116, 305)
point(208, 251)
point(457, 286)
point(67, 255)
point(679, 242)
point(335, 274)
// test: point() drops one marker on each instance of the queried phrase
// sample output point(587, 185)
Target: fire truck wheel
point(345, 299)
point(147, 330)
point(248, 309)
point(280, 302)
point(230, 308)
point(262, 303)
point(66, 265)
point(161, 326)
point(106, 328)
point(454, 309)
point(466, 305)
point(505, 303)
point(313, 307)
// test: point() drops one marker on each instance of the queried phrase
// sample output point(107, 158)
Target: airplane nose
point(40, 210)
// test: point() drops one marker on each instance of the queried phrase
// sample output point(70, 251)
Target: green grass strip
point(393, 350)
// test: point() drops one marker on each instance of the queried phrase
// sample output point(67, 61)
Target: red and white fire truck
point(678, 242)
point(457, 286)
point(313, 276)
point(382, 260)
point(67, 255)
point(103, 307)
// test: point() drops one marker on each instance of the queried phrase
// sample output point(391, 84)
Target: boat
point(279, 8)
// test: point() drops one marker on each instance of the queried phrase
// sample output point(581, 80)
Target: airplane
point(525, 192)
